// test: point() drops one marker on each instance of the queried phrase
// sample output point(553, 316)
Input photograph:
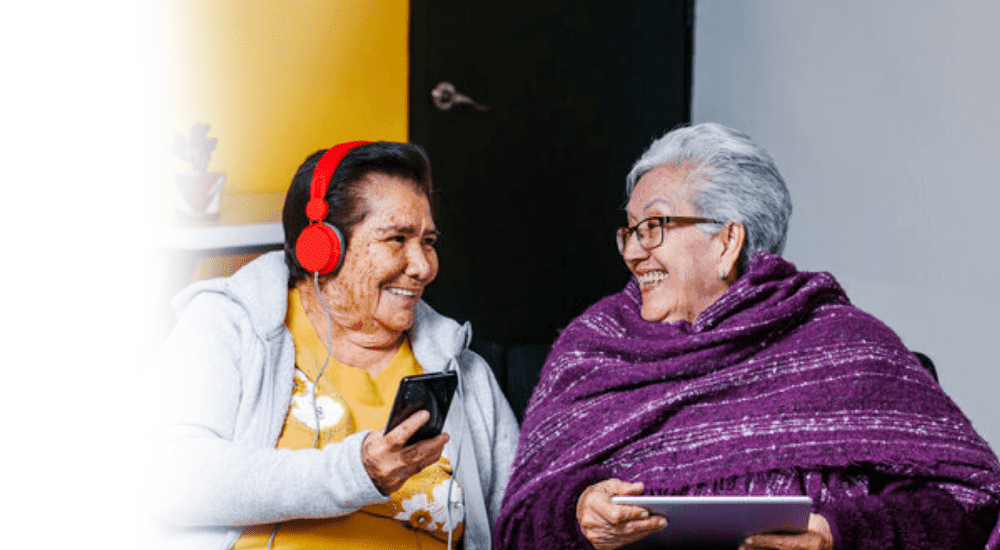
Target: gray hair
point(738, 182)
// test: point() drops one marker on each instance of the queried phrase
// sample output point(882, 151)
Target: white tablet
point(720, 521)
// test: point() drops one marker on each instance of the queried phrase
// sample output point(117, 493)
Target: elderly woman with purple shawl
point(722, 370)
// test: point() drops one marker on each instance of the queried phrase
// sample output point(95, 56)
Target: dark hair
point(345, 194)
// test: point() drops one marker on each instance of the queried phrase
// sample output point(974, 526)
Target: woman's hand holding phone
point(390, 462)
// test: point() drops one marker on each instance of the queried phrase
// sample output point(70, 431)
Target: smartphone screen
point(432, 392)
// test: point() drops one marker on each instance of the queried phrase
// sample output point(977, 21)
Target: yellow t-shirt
point(348, 400)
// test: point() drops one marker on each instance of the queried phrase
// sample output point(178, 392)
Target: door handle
point(445, 96)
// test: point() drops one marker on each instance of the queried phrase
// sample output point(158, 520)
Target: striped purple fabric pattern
point(781, 373)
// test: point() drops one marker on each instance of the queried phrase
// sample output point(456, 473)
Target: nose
point(632, 252)
point(421, 262)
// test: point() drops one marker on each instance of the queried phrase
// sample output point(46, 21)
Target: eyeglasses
point(650, 230)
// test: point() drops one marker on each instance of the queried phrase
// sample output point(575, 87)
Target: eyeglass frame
point(621, 240)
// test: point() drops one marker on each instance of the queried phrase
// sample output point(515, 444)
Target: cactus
point(197, 150)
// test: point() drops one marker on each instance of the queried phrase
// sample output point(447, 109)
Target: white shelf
point(208, 238)
point(247, 221)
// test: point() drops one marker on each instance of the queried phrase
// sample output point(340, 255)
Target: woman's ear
point(730, 241)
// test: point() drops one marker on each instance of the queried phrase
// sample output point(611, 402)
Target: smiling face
point(681, 277)
point(390, 258)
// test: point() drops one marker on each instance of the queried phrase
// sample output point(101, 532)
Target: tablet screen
point(720, 521)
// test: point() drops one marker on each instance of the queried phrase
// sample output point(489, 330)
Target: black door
point(530, 191)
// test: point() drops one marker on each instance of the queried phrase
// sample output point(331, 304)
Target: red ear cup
point(320, 248)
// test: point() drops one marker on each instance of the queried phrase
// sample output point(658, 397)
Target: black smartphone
point(432, 392)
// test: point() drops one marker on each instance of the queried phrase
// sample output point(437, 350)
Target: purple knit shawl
point(781, 372)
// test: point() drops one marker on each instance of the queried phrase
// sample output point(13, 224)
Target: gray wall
point(883, 118)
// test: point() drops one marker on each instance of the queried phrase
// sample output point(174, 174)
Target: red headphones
point(320, 246)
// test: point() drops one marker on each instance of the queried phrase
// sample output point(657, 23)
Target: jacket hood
point(260, 287)
point(437, 340)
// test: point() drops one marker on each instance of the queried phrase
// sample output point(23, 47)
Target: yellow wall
point(278, 80)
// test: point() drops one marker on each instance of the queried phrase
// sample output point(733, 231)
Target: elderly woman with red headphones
point(277, 382)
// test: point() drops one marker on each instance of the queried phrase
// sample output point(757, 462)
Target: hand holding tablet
point(609, 526)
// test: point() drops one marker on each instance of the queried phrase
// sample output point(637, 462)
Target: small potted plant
point(199, 191)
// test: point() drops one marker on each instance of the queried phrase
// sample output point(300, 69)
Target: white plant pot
point(199, 195)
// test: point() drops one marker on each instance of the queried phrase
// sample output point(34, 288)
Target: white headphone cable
point(315, 407)
point(458, 452)
point(329, 352)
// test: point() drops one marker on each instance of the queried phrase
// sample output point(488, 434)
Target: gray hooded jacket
point(221, 389)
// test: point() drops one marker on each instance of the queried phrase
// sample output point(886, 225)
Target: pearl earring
point(722, 274)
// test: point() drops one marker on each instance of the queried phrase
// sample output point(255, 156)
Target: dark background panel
point(530, 192)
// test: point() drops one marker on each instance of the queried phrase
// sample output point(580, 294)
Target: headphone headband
point(317, 208)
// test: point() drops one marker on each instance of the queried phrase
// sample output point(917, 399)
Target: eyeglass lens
point(649, 232)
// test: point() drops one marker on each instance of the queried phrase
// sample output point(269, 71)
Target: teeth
point(651, 278)
point(402, 292)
